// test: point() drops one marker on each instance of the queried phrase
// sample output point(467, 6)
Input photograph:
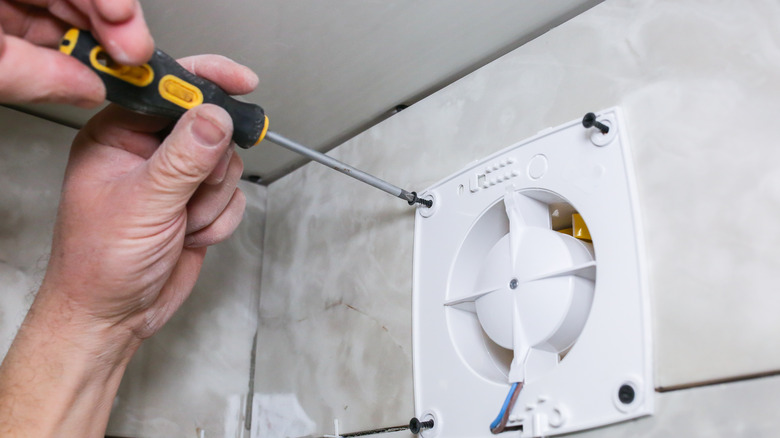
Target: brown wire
point(502, 425)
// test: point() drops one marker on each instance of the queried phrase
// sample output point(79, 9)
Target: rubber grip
point(162, 87)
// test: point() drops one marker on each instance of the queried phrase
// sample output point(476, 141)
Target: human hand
point(31, 72)
point(136, 215)
point(135, 218)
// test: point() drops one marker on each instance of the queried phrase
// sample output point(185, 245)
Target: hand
point(135, 218)
point(31, 72)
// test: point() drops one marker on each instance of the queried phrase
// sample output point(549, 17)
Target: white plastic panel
point(504, 292)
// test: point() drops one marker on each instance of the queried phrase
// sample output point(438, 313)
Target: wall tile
point(698, 86)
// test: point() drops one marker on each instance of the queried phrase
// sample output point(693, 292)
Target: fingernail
point(252, 79)
point(117, 53)
point(206, 132)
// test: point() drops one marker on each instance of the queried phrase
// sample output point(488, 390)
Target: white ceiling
point(330, 69)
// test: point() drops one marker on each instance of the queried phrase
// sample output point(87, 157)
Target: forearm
point(61, 373)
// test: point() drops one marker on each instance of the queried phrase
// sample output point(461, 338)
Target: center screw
point(513, 284)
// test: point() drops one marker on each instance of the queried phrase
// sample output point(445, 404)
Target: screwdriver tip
point(414, 199)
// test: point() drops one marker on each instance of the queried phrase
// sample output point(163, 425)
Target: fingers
point(120, 26)
point(222, 227)
point(186, 158)
point(209, 201)
point(217, 176)
point(124, 129)
point(58, 78)
point(231, 76)
point(115, 11)
point(34, 24)
point(174, 292)
point(121, 128)
point(68, 13)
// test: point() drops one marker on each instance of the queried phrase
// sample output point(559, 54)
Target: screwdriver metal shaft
point(162, 87)
point(346, 169)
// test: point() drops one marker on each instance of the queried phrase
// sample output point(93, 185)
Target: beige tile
point(698, 85)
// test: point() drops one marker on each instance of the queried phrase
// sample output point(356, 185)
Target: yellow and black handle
point(162, 87)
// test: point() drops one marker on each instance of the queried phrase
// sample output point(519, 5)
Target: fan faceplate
point(468, 321)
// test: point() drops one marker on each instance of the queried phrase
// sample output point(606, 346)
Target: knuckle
point(179, 164)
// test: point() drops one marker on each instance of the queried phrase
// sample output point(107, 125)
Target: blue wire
point(501, 413)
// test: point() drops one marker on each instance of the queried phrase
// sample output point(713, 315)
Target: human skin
point(31, 71)
point(140, 204)
point(135, 217)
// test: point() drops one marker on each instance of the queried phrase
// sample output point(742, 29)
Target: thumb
point(186, 157)
point(32, 74)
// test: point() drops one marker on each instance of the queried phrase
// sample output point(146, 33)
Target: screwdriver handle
point(162, 87)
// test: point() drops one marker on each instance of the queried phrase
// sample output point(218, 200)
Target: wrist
point(65, 365)
point(54, 315)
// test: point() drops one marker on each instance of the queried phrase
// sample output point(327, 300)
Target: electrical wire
point(499, 424)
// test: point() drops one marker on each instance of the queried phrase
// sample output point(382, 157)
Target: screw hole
point(626, 394)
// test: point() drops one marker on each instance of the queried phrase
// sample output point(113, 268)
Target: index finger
point(120, 27)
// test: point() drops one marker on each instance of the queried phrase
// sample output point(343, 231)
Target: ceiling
point(329, 70)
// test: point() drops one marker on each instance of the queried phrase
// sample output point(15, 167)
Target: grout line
point(713, 382)
point(251, 394)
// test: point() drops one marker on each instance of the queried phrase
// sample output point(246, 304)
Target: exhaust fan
point(529, 310)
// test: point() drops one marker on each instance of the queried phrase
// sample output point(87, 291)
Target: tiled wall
point(699, 83)
point(192, 376)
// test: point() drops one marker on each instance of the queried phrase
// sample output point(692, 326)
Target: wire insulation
point(499, 424)
point(501, 413)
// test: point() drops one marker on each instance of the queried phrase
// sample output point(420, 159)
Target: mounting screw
point(257, 179)
point(416, 426)
point(626, 394)
point(590, 121)
point(513, 284)
point(418, 200)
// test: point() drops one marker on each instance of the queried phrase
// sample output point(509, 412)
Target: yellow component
point(141, 76)
point(68, 42)
point(569, 231)
point(580, 229)
point(180, 92)
point(262, 134)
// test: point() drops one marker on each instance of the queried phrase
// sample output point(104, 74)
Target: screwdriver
point(162, 87)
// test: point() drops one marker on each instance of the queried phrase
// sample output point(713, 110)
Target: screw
point(590, 121)
point(417, 200)
point(626, 394)
point(397, 109)
point(253, 178)
point(416, 426)
point(513, 284)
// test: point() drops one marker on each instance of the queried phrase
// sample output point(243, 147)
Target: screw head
point(415, 426)
point(514, 283)
point(626, 394)
point(589, 120)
